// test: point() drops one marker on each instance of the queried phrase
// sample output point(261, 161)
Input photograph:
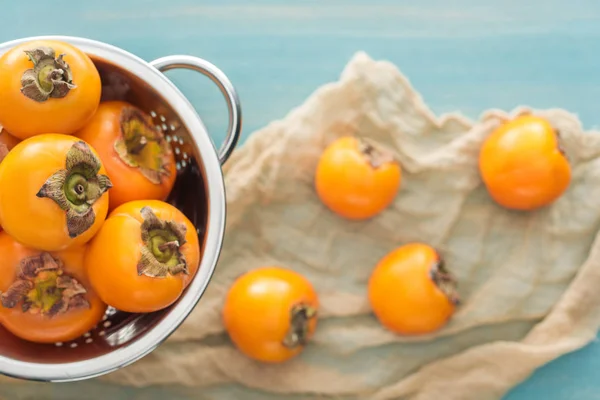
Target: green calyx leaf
point(42, 287)
point(76, 188)
point(143, 146)
point(50, 76)
point(161, 253)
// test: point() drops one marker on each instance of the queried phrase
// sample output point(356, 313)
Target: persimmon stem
point(173, 245)
point(75, 186)
point(445, 281)
point(559, 145)
point(374, 155)
point(300, 317)
point(137, 144)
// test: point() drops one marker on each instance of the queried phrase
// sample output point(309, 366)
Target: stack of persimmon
point(270, 313)
point(83, 188)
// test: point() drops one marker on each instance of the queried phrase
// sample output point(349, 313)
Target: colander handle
point(220, 79)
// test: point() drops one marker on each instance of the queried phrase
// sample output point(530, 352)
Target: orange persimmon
point(411, 292)
point(47, 86)
point(46, 297)
point(7, 142)
point(270, 313)
point(139, 161)
point(355, 179)
point(143, 257)
point(54, 192)
point(522, 165)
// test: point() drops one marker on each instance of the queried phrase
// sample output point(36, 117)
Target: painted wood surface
point(465, 55)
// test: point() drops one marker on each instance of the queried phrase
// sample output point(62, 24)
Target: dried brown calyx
point(50, 76)
point(77, 187)
point(161, 253)
point(42, 287)
point(559, 145)
point(375, 155)
point(442, 278)
point(300, 317)
point(143, 146)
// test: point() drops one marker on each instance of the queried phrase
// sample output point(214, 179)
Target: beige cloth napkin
point(529, 281)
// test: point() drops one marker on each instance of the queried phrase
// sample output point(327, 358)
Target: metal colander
point(199, 192)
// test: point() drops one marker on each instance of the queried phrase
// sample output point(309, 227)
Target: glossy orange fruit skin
point(24, 117)
point(522, 166)
point(38, 328)
point(350, 186)
point(402, 294)
point(39, 222)
point(128, 183)
point(7, 139)
point(256, 313)
point(113, 255)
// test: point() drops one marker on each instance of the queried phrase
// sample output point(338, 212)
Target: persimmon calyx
point(42, 287)
point(143, 146)
point(445, 281)
point(300, 317)
point(161, 252)
point(50, 76)
point(559, 146)
point(77, 187)
point(3, 151)
point(375, 155)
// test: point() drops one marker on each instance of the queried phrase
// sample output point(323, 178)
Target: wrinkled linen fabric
point(528, 281)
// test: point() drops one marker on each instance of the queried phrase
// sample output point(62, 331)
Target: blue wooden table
point(468, 56)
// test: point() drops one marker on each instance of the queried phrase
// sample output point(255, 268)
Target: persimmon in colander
point(270, 313)
point(47, 86)
point(139, 161)
point(411, 292)
point(143, 257)
point(7, 142)
point(522, 164)
point(355, 179)
point(54, 192)
point(45, 297)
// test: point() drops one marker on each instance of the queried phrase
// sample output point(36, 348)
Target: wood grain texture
point(467, 56)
